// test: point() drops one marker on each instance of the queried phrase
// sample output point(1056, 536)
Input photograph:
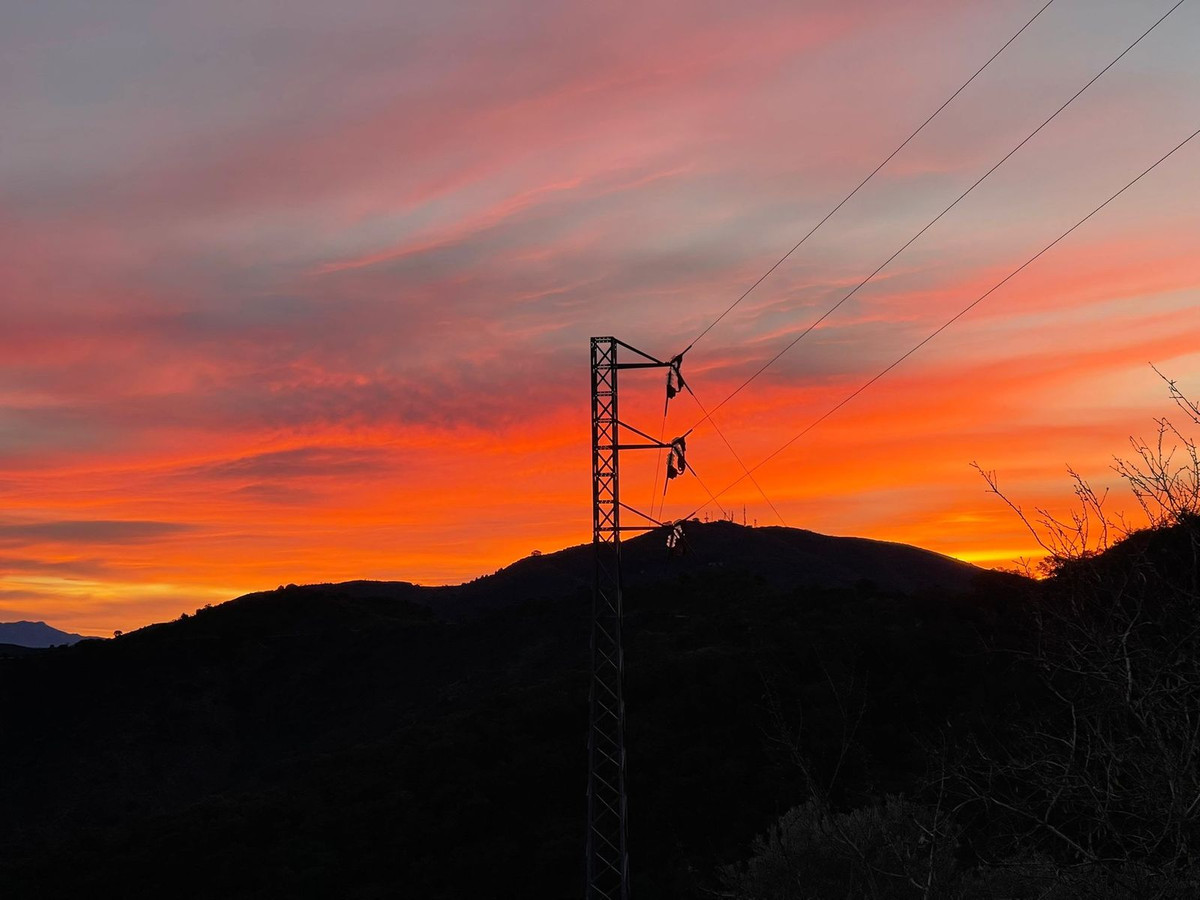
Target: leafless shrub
point(1101, 783)
point(1084, 533)
point(895, 849)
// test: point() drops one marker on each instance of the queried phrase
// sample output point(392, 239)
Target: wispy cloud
point(88, 532)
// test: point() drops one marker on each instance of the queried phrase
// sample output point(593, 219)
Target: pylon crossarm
point(632, 349)
point(654, 442)
point(638, 512)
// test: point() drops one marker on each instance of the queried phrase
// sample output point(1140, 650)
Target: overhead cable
point(936, 218)
point(966, 309)
point(872, 174)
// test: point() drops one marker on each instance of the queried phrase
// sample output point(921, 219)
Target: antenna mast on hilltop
point(607, 857)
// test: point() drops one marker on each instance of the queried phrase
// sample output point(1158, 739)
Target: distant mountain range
point(35, 634)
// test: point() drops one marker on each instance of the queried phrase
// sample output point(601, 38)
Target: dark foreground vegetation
point(938, 734)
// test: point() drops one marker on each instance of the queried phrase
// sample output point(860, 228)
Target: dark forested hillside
point(370, 740)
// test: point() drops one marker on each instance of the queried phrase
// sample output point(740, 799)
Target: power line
point(662, 433)
point(707, 416)
point(873, 173)
point(951, 320)
point(712, 498)
point(936, 218)
point(737, 457)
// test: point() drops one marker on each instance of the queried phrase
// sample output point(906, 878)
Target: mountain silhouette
point(35, 634)
point(781, 557)
point(381, 739)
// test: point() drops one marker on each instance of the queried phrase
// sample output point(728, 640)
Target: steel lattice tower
point(607, 856)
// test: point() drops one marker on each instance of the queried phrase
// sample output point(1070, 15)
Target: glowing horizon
point(312, 303)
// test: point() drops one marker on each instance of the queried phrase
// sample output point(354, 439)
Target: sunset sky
point(299, 292)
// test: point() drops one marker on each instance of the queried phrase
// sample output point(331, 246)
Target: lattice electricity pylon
point(607, 856)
